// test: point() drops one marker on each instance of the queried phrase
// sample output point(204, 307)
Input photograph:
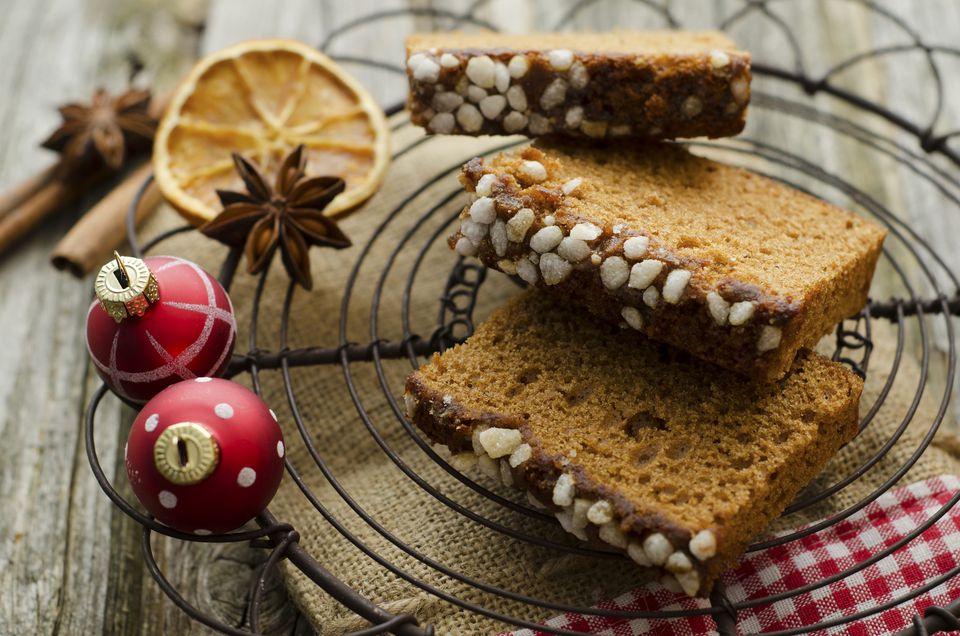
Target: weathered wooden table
point(69, 562)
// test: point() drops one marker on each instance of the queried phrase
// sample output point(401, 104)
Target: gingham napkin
point(812, 558)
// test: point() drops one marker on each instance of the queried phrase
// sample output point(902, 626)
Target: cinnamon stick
point(103, 228)
point(23, 191)
point(51, 197)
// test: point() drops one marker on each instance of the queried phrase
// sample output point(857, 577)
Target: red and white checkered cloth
point(812, 558)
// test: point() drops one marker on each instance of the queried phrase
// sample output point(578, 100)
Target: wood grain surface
point(69, 562)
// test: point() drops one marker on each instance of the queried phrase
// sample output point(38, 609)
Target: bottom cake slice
point(675, 461)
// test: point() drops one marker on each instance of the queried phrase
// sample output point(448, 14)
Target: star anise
point(106, 130)
point(288, 216)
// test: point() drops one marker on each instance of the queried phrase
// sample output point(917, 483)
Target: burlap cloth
point(394, 500)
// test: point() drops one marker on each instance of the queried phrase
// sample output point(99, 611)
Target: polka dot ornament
point(234, 486)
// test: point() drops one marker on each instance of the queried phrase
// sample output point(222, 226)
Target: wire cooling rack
point(929, 300)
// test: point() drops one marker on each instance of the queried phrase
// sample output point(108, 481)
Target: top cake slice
point(656, 85)
point(738, 269)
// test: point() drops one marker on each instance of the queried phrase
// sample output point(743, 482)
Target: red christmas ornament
point(205, 456)
point(155, 322)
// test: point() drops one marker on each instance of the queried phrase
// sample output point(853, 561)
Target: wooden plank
point(42, 370)
point(69, 561)
point(910, 83)
point(55, 565)
point(232, 21)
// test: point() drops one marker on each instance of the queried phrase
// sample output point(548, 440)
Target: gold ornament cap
point(186, 453)
point(126, 287)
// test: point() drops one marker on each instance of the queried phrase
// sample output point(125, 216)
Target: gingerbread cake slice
point(656, 85)
point(630, 442)
point(738, 269)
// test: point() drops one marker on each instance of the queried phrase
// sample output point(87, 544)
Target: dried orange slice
point(263, 98)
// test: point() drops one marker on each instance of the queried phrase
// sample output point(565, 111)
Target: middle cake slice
point(738, 269)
